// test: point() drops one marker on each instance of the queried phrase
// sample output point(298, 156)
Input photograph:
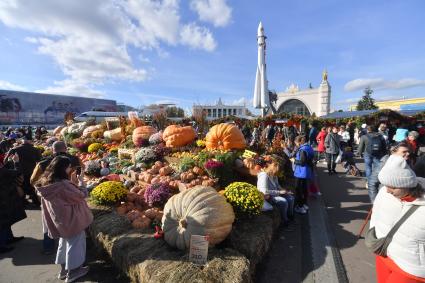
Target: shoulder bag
point(379, 246)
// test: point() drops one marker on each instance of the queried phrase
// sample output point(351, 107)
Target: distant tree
point(175, 112)
point(249, 113)
point(367, 102)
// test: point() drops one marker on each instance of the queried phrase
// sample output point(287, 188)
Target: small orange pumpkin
point(142, 133)
point(177, 136)
point(225, 136)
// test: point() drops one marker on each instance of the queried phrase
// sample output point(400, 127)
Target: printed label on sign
point(198, 253)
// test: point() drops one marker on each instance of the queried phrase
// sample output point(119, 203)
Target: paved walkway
point(347, 204)
point(26, 263)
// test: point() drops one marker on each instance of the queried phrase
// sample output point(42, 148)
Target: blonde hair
point(272, 168)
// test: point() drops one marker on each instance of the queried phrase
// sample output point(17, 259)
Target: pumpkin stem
point(183, 223)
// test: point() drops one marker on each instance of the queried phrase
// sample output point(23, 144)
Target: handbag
point(380, 246)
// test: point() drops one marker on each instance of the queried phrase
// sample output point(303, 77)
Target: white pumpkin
point(198, 211)
point(89, 130)
point(113, 135)
point(77, 128)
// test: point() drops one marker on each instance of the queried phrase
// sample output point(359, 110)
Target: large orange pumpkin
point(142, 133)
point(225, 136)
point(176, 136)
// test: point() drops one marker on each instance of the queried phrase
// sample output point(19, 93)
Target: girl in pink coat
point(66, 215)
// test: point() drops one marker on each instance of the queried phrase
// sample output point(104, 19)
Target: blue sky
point(194, 51)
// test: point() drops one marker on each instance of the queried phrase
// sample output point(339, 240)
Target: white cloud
point(74, 88)
point(11, 86)
point(165, 102)
point(216, 12)
point(379, 83)
point(241, 101)
point(197, 37)
point(89, 40)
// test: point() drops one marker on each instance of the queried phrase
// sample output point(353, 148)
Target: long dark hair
point(56, 171)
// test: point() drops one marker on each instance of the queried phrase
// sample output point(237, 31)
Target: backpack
point(374, 147)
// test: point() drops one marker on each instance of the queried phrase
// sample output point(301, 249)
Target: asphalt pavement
point(347, 205)
point(26, 263)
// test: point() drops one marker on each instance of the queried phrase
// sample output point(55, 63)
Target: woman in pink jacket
point(66, 215)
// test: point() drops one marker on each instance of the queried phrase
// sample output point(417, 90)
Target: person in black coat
point(419, 167)
point(29, 157)
point(11, 206)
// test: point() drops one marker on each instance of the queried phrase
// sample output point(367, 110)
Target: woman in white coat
point(405, 261)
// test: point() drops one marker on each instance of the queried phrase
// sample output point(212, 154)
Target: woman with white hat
point(403, 192)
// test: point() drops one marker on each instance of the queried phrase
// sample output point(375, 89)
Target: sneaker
point(305, 207)
point(63, 274)
point(76, 273)
point(300, 210)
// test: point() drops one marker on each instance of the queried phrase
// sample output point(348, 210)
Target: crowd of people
point(56, 185)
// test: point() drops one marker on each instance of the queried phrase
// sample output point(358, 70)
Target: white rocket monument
point(261, 91)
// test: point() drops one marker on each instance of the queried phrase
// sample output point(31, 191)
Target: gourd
point(91, 129)
point(113, 135)
point(225, 136)
point(198, 211)
point(177, 136)
point(57, 130)
point(164, 171)
point(142, 133)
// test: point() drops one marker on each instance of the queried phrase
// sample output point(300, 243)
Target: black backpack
point(375, 145)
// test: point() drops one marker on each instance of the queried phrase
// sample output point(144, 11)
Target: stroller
point(349, 163)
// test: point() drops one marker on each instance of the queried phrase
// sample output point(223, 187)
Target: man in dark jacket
point(312, 136)
point(372, 147)
point(420, 166)
point(11, 207)
point(29, 156)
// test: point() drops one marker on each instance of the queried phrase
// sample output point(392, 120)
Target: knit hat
point(396, 173)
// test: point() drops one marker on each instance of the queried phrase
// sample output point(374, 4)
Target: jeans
point(372, 166)
point(286, 206)
point(5, 236)
point(330, 159)
point(301, 192)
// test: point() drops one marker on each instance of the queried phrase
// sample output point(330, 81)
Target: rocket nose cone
point(260, 29)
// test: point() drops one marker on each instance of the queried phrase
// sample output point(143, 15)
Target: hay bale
point(253, 236)
point(146, 259)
